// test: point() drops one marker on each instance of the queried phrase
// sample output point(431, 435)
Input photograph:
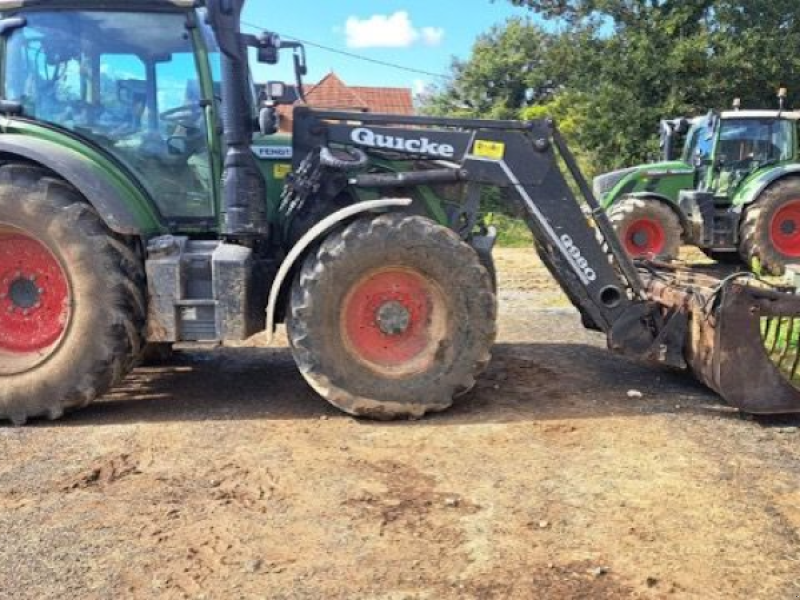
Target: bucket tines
point(743, 337)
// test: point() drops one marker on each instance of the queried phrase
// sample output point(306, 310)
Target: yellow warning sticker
point(280, 171)
point(492, 150)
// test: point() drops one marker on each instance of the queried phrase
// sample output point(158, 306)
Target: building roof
point(392, 100)
point(332, 93)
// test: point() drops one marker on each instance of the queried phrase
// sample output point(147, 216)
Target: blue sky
point(422, 34)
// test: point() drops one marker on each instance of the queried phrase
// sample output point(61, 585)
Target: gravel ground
point(223, 476)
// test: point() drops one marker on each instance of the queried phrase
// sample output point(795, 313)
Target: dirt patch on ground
point(223, 476)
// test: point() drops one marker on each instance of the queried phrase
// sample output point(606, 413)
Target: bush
point(511, 232)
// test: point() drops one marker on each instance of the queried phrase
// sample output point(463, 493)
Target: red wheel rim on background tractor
point(645, 237)
point(34, 299)
point(784, 230)
point(393, 320)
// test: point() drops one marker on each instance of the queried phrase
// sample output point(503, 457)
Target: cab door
point(130, 84)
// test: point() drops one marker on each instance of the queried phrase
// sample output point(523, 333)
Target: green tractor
point(146, 200)
point(733, 191)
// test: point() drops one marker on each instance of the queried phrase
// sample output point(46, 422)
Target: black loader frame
point(652, 312)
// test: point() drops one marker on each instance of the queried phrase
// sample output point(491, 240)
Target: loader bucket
point(743, 342)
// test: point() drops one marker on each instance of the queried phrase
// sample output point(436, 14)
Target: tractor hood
point(603, 184)
point(662, 178)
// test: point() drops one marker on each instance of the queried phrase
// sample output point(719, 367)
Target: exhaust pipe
point(244, 212)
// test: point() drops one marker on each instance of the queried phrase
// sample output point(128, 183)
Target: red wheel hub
point(34, 295)
point(391, 319)
point(785, 229)
point(645, 237)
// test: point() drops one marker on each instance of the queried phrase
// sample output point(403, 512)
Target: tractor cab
point(746, 143)
point(727, 149)
point(701, 195)
point(137, 87)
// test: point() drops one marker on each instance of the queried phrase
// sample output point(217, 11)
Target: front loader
point(134, 212)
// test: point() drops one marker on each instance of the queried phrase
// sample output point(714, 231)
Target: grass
point(511, 232)
point(781, 337)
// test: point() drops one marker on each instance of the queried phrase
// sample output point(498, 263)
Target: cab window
point(756, 140)
point(127, 82)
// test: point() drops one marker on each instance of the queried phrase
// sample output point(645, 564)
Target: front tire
point(487, 260)
point(393, 317)
point(770, 231)
point(647, 228)
point(72, 304)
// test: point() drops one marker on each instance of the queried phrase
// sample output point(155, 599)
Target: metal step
point(201, 291)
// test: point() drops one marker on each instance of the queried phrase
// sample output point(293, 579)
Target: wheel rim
point(645, 237)
point(34, 301)
point(785, 229)
point(394, 320)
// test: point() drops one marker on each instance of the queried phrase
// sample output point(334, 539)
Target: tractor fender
point(752, 190)
point(91, 181)
point(314, 234)
point(664, 200)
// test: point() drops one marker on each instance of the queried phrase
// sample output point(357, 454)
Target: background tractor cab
point(714, 191)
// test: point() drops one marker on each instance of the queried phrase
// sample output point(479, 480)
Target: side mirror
point(269, 48)
point(268, 120)
point(278, 93)
point(300, 64)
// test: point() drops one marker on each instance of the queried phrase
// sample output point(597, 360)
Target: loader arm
point(523, 157)
point(656, 313)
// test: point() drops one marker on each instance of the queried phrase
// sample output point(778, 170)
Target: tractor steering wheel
point(185, 116)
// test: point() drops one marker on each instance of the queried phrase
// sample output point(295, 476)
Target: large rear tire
point(647, 228)
point(72, 302)
point(393, 317)
point(770, 230)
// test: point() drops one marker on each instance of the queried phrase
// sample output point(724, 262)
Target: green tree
point(661, 58)
point(617, 67)
point(508, 67)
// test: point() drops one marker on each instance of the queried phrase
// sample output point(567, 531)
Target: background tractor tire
point(770, 230)
point(393, 317)
point(72, 298)
point(647, 228)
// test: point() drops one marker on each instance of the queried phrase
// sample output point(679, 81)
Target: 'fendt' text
point(367, 137)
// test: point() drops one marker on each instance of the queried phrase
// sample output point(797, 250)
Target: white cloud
point(432, 36)
point(389, 31)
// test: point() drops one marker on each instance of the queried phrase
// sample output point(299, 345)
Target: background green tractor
point(733, 191)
